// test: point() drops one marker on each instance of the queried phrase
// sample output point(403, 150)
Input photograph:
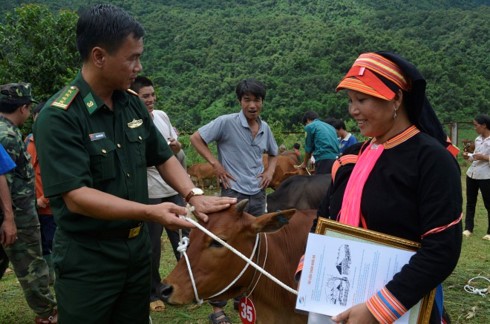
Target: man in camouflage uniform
point(25, 253)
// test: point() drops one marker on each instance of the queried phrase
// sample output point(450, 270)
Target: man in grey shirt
point(242, 138)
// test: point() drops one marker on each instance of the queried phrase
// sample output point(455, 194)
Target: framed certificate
point(346, 265)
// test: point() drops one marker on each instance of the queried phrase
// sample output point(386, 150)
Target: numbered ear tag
point(247, 311)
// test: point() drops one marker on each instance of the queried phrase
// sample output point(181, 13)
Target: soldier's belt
point(122, 234)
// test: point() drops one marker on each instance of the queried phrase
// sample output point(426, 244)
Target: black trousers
point(156, 231)
point(324, 166)
point(4, 261)
point(472, 187)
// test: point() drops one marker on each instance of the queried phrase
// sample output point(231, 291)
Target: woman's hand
point(358, 314)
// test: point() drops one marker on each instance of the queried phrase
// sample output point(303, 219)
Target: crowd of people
point(104, 173)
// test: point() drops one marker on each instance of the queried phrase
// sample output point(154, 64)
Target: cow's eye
point(215, 244)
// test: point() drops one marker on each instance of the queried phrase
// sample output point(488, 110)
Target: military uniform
point(85, 144)
point(25, 254)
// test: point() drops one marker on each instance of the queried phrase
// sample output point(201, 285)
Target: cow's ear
point(272, 222)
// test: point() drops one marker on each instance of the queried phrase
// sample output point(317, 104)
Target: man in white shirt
point(158, 190)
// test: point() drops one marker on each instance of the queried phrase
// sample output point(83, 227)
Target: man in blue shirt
point(321, 142)
point(346, 139)
point(241, 138)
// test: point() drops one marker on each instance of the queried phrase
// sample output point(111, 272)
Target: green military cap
point(16, 93)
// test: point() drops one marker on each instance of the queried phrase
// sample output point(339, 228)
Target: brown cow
point(214, 266)
point(202, 171)
point(292, 155)
point(284, 169)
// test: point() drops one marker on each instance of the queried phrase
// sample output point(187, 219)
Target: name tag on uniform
point(97, 136)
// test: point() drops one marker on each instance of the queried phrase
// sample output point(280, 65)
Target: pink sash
point(350, 212)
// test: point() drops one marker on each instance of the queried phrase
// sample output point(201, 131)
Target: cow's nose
point(165, 291)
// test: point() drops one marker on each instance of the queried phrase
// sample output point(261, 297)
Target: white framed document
point(346, 265)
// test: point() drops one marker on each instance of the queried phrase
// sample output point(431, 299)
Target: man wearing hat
point(25, 252)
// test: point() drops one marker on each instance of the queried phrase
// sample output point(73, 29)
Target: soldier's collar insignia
point(66, 97)
point(135, 123)
point(90, 103)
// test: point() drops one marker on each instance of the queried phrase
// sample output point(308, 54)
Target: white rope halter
point(184, 242)
point(477, 291)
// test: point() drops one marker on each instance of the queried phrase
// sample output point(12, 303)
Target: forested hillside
point(197, 50)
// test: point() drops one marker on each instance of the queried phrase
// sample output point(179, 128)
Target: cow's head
point(214, 266)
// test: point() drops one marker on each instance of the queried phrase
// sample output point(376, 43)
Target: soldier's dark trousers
point(102, 280)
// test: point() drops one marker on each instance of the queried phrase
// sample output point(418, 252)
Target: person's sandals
point(53, 319)
point(219, 318)
point(157, 306)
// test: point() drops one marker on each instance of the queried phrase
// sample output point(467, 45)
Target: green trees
point(38, 46)
point(197, 51)
point(302, 49)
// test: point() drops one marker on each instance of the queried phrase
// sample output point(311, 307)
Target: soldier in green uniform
point(96, 140)
point(25, 253)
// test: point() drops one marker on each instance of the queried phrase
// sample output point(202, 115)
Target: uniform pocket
point(102, 159)
point(137, 144)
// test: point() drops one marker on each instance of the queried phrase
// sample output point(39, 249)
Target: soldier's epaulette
point(131, 91)
point(66, 97)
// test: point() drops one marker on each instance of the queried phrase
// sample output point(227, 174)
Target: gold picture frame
point(335, 229)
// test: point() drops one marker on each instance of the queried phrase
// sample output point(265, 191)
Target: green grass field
point(462, 306)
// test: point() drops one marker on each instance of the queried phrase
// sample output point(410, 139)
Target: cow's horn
point(241, 205)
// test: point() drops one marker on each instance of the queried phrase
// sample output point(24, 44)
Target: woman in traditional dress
point(405, 182)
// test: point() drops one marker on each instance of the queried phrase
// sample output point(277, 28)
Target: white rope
point(238, 253)
point(241, 273)
point(182, 248)
point(477, 291)
point(263, 266)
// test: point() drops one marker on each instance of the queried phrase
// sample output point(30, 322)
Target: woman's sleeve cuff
point(299, 269)
point(385, 307)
